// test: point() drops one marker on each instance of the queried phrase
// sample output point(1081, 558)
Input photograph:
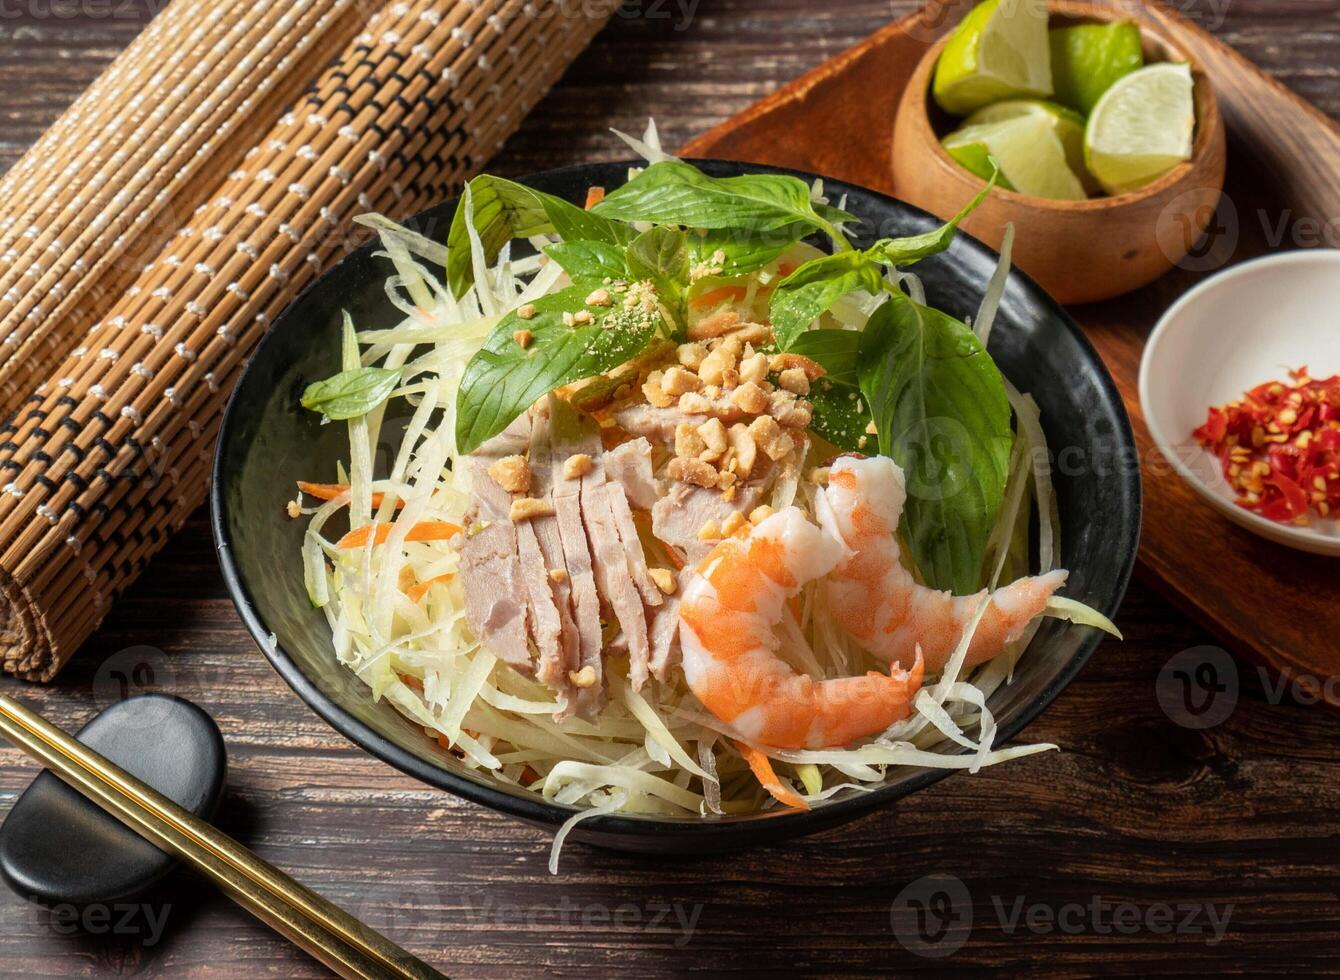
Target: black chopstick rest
point(57, 848)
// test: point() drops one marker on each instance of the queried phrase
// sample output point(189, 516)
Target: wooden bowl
point(1079, 251)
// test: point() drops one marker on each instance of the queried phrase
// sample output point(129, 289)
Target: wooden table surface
point(1189, 824)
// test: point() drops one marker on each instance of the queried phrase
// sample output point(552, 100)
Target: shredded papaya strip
point(594, 195)
point(763, 772)
point(423, 531)
point(420, 589)
point(329, 491)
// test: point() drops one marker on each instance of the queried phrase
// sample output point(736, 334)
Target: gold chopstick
point(323, 929)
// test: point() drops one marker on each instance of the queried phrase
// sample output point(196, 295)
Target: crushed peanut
point(527, 508)
point(664, 579)
point(656, 395)
point(750, 398)
point(583, 678)
point(692, 403)
point(716, 364)
point(688, 443)
point(760, 514)
point(577, 466)
point(600, 297)
point(726, 480)
point(691, 355)
point(785, 362)
point(733, 523)
point(870, 429)
point(794, 380)
point(818, 476)
point(526, 312)
point(788, 410)
point(716, 325)
point(294, 508)
point(641, 296)
point(677, 381)
point(693, 471)
point(715, 440)
point(582, 317)
point(512, 473)
point(743, 447)
point(754, 368)
point(569, 320)
point(709, 532)
point(770, 437)
point(522, 338)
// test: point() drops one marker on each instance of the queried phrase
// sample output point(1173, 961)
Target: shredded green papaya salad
point(699, 509)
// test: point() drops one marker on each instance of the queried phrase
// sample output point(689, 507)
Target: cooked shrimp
point(727, 619)
point(876, 599)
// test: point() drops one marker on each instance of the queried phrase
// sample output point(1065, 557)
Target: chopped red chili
point(1279, 446)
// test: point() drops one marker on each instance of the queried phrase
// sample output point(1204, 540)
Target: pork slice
point(658, 424)
point(663, 633)
point(609, 555)
point(553, 670)
point(493, 501)
point(499, 561)
point(680, 514)
point(545, 626)
point(629, 465)
point(612, 577)
point(567, 438)
point(495, 606)
point(632, 546)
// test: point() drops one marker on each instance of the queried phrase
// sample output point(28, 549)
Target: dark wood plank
point(1135, 808)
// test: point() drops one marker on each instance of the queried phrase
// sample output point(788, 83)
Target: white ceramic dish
point(1247, 325)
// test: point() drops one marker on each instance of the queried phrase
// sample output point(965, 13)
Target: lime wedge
point(1067, 124)
point(1031, 157)
point(1087, 60)
point(999, 51)
point(1141, 128)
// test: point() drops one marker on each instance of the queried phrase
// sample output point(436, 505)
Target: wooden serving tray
point(1265, 601)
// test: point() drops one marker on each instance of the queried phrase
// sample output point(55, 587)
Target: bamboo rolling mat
point(150, 239)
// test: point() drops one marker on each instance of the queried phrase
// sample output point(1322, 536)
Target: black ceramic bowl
point(268, 441)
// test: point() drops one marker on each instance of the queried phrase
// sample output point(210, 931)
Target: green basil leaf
point(939, 405)
point(836, 351)
point(905, 251)
point(811, 290)
point(675, 193)
point(502, 210)
point(350, 394)
point(662, 255)
point(589, 260)
point(840, 413)
point(729, 253)
point(503, 379)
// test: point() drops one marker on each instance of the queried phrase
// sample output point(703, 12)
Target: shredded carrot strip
point(722, 294)
point(420, 589)
point(594, 195)
point(423, 531)
point(763, 772)
point(329, 491)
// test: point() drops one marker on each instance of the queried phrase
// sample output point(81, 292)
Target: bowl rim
point(745, 829)
point(1203, 93)
point(1304, 538)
